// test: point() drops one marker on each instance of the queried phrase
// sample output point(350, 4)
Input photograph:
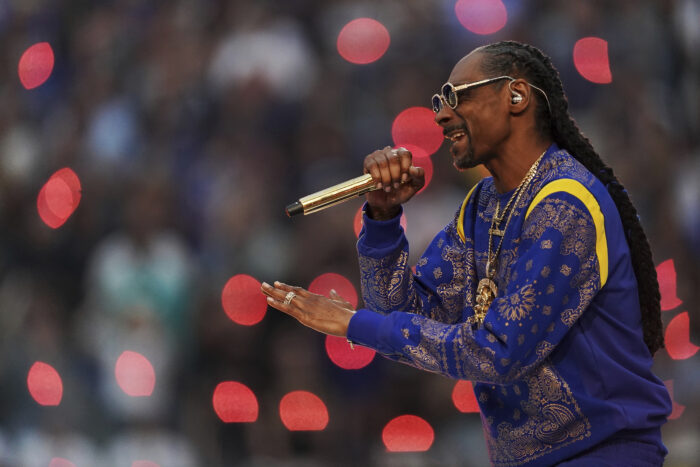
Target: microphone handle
point(331, 196)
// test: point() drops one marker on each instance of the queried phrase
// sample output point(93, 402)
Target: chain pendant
point(486, 291)
point(485, 294)
point(497, 216)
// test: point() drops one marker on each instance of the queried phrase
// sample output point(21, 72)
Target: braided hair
point(528, 62)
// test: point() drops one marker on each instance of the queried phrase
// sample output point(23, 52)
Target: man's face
point(479, 123)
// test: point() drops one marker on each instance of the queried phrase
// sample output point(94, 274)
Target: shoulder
point(567, 190)
point(563, 174)
point(572, 200)
point(560, 164)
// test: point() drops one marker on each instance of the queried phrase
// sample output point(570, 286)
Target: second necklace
point(487, 290)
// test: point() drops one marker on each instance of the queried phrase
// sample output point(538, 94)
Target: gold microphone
point(331, 196)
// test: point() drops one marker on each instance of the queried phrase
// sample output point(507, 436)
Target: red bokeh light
point(303, 411)
point(60, 462)
point(144, 464)
point(363, 41)
point(415, 126)
point(59, 198)
point(464, 398)
point(678, 343)
point(357, 222)
point(243, 301)
point(235, 403)
point(417, 152)
point(135, 374)
point(666, 272)
point(323, 284)
point(591, 60)
point(482, 16)
point(45, 384)
point(408, 433)
point(71, 179)
point(36, 65)
point(346, 357)
point(677, 409)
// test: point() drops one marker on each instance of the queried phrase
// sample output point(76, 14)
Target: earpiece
point(515, 98)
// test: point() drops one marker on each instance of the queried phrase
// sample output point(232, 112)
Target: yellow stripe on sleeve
point(576, 189)
point(460, 219)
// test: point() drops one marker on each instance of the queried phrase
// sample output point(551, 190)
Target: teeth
point(456, 136)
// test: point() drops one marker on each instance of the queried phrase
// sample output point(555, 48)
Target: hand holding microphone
point(389, 181)
point(397, 179)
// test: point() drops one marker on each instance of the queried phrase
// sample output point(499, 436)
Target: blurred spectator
point(139, 295)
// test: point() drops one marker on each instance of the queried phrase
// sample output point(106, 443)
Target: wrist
point(379, 214)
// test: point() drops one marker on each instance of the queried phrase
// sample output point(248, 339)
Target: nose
point(444, 115)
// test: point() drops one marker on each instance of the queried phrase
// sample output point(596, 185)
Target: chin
point(465, 161)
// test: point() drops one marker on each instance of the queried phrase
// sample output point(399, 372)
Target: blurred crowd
point(191, 125)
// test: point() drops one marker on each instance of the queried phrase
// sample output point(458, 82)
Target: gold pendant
point(485, 293)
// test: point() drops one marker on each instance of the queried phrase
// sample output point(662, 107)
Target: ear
point(519, 96)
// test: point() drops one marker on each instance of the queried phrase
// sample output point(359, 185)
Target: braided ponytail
point(522, 60)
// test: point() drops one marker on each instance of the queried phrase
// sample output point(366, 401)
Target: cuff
point(363, 328)
point(379, 235)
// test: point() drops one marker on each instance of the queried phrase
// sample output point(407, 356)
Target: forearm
point(456, 351)
point(385, 276)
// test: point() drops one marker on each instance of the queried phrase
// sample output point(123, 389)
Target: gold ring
point(289, 297)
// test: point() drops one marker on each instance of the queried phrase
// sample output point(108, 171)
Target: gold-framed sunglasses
point(448, 92)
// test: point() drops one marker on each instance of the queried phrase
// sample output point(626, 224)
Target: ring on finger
point(289, 297)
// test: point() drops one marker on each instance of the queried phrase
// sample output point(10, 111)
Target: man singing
point(542, 289)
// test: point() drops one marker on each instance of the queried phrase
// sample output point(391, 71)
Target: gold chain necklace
point(487, 290)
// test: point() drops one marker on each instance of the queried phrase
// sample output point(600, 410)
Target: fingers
point(405, 163)
point(394, 171)
point(278, 294)
point(334, 295)
point(283, 288)
point(417, 176)
point(315, 311)
point(276, 298)
point(372, 168)
point(388, 167)
point(340, 300)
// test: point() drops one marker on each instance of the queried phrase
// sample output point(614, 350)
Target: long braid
point(526, 61)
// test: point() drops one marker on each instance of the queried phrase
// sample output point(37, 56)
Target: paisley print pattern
point(528, 409)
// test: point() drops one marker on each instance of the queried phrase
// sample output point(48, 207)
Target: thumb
point(417, 176)
point(334, 295)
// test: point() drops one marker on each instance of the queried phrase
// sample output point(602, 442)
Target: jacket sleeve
point(387, 280)
point(553, 280)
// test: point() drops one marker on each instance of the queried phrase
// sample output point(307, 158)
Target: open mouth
point(456, 135)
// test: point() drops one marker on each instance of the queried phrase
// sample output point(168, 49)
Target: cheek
point(488, 127)
point(481, 130)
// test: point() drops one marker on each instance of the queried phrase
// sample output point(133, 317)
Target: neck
point(509, 168)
